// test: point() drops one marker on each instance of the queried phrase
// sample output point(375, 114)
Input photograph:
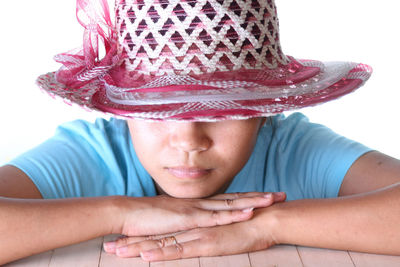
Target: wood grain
point(85, 254)
point(239, 260)
point(374, 260)
point(316, 257)
point(194, 262)
point(282, 256)
point(90, 254)
point(39, 260)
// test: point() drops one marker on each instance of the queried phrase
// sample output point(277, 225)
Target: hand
point(210, 241)
point(163, 214)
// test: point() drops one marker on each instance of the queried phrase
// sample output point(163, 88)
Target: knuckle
point(190, 218)
point(208, 237)
point(186, 210)
point(215, 216)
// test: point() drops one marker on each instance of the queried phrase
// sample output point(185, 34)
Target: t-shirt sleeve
point(71, 163)
point(312, 159)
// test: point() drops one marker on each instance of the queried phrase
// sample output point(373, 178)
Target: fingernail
point(121, 251)
point(109, 246)
point(248, 210)
point(268, 196)
point(279, 194)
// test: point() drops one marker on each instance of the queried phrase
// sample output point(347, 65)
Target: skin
point(373, 178)
point(196, 159)
point(364, 217)
point(31, 225)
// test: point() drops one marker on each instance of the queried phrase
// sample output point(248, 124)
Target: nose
point(189, 137)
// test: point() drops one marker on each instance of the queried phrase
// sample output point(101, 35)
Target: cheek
point(234, 149)
point(148, 146)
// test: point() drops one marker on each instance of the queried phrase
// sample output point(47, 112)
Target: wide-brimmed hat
point(200, 60)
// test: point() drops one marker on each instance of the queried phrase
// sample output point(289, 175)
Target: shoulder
point(97, 152)
point(101, 128)
point(107, 141)
point(296, 123)
point(298, 132)
point(308, 159)
point(102, 136)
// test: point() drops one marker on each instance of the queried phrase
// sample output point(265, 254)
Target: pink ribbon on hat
point(81, 66)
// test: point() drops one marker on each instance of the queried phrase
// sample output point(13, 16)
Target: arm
point(365, 222)
point(364, 218)
point(31, 225)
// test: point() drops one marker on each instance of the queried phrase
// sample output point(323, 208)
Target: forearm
point(366, 222)
point(31, 226)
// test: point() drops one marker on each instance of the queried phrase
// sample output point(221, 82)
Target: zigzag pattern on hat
point(197, 36)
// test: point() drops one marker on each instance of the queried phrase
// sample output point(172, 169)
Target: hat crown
point(183, 37)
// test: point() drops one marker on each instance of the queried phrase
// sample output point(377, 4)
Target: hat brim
point(333, 81)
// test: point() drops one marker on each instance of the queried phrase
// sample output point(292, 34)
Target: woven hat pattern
point(192, 60)
point(198, 36)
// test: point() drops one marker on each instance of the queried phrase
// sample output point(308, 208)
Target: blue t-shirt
point(304, 159)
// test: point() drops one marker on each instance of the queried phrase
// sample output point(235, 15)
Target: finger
point(214, 218)
point(237, 195)
point(111, 246)
point(175, 251)
point(279, 196)
point(261, 201)
point(199, 242)
point(134, 249)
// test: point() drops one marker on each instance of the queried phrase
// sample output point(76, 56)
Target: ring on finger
point(174, 240)
point(178, 246)
point(161, 242)
point(165, 241)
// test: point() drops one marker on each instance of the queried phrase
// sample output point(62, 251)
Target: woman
point(201, 84)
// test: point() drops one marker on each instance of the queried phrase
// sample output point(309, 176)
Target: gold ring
point(174, 240)
point(161, 242)
point(171, 239)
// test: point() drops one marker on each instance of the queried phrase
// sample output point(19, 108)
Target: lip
point(185, 172)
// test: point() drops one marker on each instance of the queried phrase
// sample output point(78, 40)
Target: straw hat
point(199, 60)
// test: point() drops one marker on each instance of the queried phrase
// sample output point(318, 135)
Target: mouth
point(185, 172)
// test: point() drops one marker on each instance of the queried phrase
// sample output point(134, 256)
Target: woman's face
point(194, 159)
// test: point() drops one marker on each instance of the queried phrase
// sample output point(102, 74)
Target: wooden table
point(90, 253)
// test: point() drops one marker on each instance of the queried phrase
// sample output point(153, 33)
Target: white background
point(366, 31)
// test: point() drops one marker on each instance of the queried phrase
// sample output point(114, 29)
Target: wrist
point(276, 217)
point(266, 221)
point(115, 210)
